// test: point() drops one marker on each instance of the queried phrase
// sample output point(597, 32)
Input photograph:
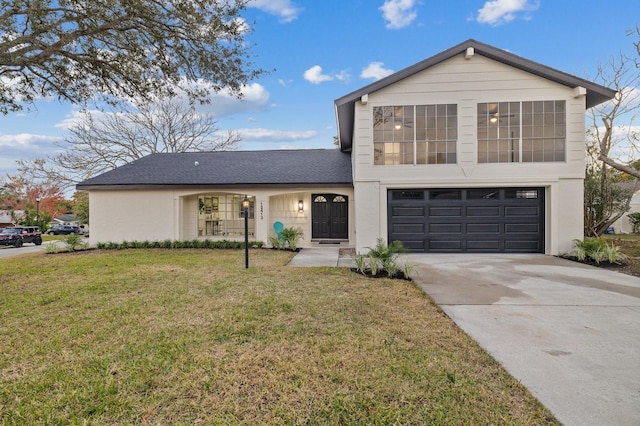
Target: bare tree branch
point(99, 142)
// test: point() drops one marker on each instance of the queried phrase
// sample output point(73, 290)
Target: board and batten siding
point(467, 82)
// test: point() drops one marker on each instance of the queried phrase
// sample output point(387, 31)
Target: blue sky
point(320, 50)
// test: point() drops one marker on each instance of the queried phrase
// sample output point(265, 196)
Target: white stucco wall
point(467, 82)
point(622, 225)
point(159, 214)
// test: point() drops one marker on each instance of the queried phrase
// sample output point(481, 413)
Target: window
point(415, 134)
point(521, 193)
point(221, 215)
point(513, 132)
point(408, 195)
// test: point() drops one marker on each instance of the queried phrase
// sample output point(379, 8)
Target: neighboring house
point(472, 150)
point(64, 219)
point(6, 219)
point(622, 225)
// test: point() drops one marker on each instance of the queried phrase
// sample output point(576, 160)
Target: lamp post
point(245, 207)
point(38, 210)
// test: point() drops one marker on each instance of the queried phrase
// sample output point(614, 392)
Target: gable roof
point(200, 169)
point(596, 94)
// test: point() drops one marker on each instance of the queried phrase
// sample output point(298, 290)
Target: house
point(623, 225)
point(64, 219)
point(472, 150)
point(6, 219)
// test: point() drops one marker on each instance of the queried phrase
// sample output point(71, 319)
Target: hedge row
point(176, 244)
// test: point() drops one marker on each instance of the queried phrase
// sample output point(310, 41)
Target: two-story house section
point(472, 150)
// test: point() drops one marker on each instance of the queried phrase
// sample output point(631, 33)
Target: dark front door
point(329, 215)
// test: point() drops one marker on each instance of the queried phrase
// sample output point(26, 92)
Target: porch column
point(261, 217)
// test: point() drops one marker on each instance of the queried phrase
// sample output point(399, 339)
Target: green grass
point(190, 336)
point(630, 245)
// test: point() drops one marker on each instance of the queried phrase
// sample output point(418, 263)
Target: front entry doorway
point(330, 217)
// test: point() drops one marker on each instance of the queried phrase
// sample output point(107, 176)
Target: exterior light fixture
point(300, 206)
point(245, 207)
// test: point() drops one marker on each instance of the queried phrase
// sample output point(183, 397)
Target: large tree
point(98, 142)
point(612, 142)
point(617, 143)
point(607, 194)
point(79, 50)
point(32, 198)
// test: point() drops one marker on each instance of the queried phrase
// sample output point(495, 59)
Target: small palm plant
point(383, 258)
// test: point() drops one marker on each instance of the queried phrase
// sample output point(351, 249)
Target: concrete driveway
point(569, 332)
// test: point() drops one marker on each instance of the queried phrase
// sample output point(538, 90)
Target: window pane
point(479, 194)
point(445, 194)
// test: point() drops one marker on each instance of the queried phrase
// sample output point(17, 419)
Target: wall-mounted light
point(300, 206)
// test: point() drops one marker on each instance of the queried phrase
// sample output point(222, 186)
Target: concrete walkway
point(321, 256)
point(569, 332)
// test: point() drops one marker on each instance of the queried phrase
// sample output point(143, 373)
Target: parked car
point(18, 235)
point(65, 230)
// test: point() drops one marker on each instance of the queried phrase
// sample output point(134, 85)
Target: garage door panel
point(408, 211)
point(408, 228)
point(445, 211)
point(413, 245)
point(445, 228)
point(444, 245)
point(522, 228)
point(521, 211)
point(484, 228)
point(483, 211)
point(483, 245)
point(505, 220)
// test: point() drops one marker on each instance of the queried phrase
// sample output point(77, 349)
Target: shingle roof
point(277, 167)
point(596, 94)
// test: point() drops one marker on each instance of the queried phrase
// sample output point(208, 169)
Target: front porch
point(325, 217)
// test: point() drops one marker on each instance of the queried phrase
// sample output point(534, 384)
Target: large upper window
point(415, 134)
point(512, 132)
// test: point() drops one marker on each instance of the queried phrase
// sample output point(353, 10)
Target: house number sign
point(261, 211)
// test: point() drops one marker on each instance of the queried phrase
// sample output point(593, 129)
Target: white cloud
point(314, 75)
point(375, 70)
point(269, 135)
point(25, 146)
point(26, 140)
point(398, 13)
point(255, 98)
point(281, 8)
point(497, 12)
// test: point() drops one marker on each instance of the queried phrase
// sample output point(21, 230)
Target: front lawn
point(191, 337)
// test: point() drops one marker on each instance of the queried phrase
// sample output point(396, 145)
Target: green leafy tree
point(634, 219)
point(80, 50)
point(81, 206)
point(605, 199)
point(21, 194)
